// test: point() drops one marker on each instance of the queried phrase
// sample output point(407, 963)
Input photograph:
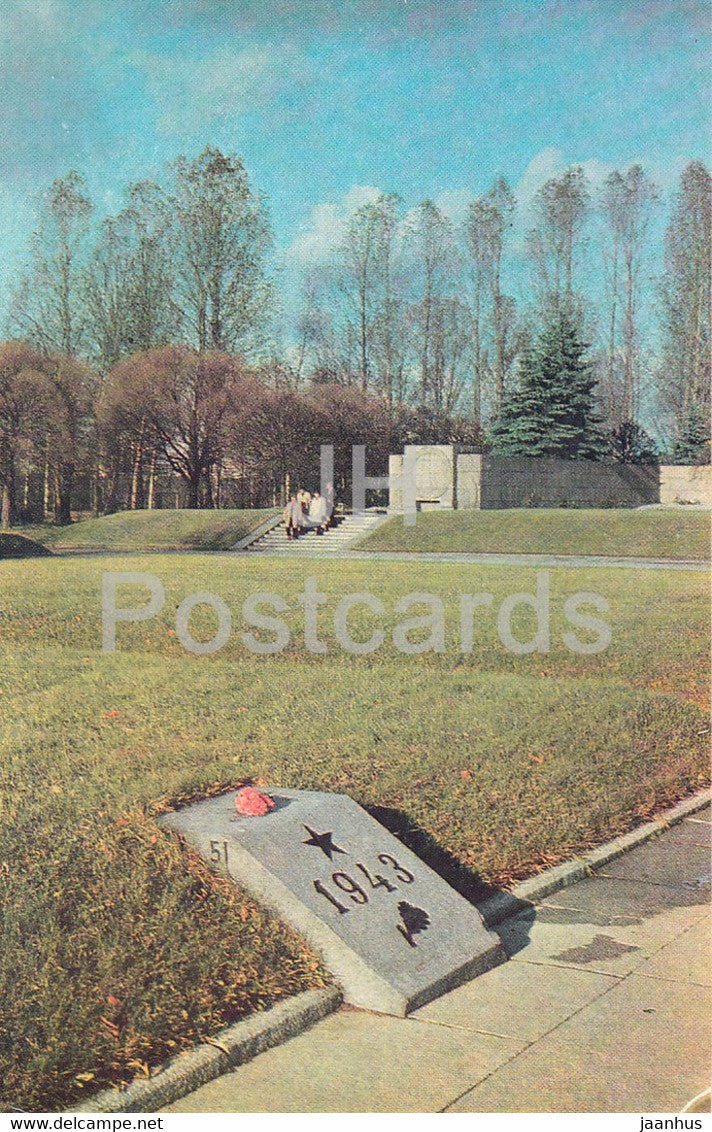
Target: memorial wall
point(447, 479)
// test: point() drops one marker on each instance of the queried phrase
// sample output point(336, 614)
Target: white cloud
point(325, 227)
point(551, 162)
point(454, 203)
point(546, 164)
point(359, 195)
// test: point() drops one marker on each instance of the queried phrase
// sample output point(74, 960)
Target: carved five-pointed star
point(322, 841)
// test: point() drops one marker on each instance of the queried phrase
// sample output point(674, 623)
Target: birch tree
point(627, 202)
point(561, 209)
point(686, 299)
point(48, 307)
point(488, 219)
point(223, 237)
point(434, 268)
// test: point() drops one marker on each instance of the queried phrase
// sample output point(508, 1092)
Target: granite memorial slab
point(391, 931)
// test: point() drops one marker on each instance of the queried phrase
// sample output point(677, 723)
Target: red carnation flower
point(253, 803)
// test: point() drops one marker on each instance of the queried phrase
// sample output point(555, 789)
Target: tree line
point(146, 344)
point(179, 426)
point(416, 305)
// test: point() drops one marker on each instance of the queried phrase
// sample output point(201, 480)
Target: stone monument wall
point(446, 479)
point(395, 491)
point(434, 476)
point(686, 484)
point(469, 481)
point(549, 482)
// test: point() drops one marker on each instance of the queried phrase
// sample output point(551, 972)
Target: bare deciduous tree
point(561, 209)
point(686, 294)
point(435, 270)
point(358, 279)
point(23, 406)
point(627, 202)
point(181, 400)
point(48, 308)
point(488, 219)
point(223, 238)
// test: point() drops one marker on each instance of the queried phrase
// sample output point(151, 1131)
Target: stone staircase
point(336, 540)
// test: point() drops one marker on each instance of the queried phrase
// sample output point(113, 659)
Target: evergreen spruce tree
point(552, 410)
point(631, 444)
point(693, 443)
point(513, 429)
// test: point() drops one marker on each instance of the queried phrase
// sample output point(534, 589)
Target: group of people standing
point(306, 512)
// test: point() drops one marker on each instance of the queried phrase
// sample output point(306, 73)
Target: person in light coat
point(293, 518)
point(318, 516)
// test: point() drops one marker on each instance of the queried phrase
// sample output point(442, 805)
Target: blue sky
point(327, 101)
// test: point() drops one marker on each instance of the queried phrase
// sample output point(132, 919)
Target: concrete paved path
point(336, 553)
point(604, 1006)
point(540, 560)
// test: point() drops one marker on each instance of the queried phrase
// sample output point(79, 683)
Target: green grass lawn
point(674, 534)
point(128, 531)
point(120, 947)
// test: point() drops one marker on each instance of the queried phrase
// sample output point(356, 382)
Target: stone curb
point(505, 904)
point(229, 1048)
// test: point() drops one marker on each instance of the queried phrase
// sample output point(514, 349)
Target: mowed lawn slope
point(154, 530)
point(17, 546)
point(673, 534)
point(120, 948)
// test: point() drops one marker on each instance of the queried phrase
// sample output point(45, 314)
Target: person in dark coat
point(329, 499)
